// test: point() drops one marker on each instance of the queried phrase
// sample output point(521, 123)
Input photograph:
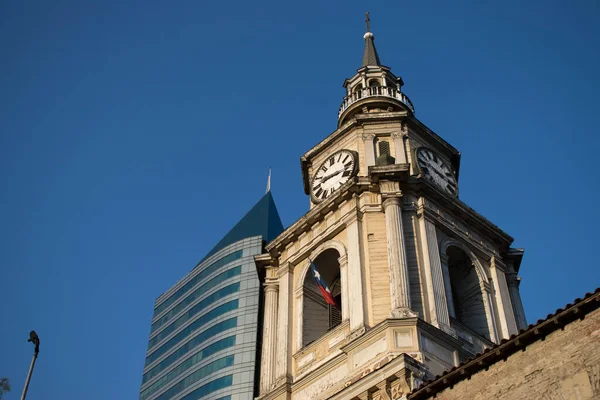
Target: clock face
point(332, 174)
point(435, 170)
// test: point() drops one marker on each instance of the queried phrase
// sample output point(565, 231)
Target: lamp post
point(34, 338)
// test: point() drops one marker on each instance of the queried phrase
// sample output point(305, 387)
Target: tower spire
point(370, 56)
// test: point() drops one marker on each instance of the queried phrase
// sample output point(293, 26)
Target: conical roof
point(370, 56)
point(262, 219)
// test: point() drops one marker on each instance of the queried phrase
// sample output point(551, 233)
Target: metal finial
point(269, 181)
point(368, 21)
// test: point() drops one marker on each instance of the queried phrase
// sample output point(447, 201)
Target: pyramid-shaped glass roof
point(262, 219)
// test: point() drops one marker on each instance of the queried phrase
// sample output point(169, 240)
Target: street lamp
point(34, 338)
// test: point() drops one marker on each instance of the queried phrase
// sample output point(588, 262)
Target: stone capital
point(368, 136)
point(404, 129)
point(392, 201)
point(271, 287)
point(403, 312)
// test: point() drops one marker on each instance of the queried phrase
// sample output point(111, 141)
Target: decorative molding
point(358, 332)
point(481, 271)
point(368, 137)
point(329, 244)
point(271, 286)
point(403, 313)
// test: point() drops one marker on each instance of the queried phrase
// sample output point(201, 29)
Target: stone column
point(448, 285)
point(269, 340)
point(355, 275)
point(438, 304)
point(513, 288)
point(299, 299)
point(283, 356)
point(369, 149)
point(399, 287)
point(343, 260)
point(508, 325)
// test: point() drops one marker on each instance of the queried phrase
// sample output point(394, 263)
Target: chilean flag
point(322, 285)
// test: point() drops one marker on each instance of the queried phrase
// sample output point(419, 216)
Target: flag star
point(317, 275)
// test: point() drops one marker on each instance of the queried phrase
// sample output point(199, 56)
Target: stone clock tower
point(420, 280)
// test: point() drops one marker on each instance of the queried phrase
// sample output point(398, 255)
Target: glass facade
point(197, 278)
point(201, 338)
point(197, 324)
point(188, 364)
point(195, 295)
point(192, 312)
point(204, 330)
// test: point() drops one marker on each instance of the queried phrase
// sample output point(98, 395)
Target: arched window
point(374, 87)
point(467, 302)
point(318, 316)
point(358, 91)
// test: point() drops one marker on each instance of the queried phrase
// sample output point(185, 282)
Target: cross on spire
point(370, 56)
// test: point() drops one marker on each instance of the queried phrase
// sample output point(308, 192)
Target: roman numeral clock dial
point(336, 170)
point(437, 171)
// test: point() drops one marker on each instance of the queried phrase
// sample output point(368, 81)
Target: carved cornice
point(265, 260)
point(392, 172)
point(431, 215)
point(463, 212)
point(317, 214)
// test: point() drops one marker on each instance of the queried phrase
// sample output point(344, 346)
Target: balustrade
point(375, 91)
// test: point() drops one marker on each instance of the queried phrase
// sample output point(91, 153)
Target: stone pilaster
point(513, 282)
point(448, 285)
point(508, 324)
point(355, 282)
point(269, 339)
point(369, 148)
point(399, 287)
point(283, 354)
point(343, 260)
point(400, 149)
point(438, 304)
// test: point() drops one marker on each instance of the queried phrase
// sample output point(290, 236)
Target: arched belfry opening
point(318, 317)
point(467, 302)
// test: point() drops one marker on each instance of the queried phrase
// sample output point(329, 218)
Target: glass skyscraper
point(203, 338)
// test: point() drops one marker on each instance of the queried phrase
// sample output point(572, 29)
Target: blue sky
point(134, 134)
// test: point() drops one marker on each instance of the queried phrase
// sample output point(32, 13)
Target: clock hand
point(327, 177)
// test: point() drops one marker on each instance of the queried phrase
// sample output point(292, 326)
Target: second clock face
point(332, 174)
point(436, 170)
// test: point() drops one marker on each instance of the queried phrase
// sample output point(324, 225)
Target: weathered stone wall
point(566, 365)
point(379, 276)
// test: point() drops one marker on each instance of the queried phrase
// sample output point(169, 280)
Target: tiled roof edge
point(542, 328)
